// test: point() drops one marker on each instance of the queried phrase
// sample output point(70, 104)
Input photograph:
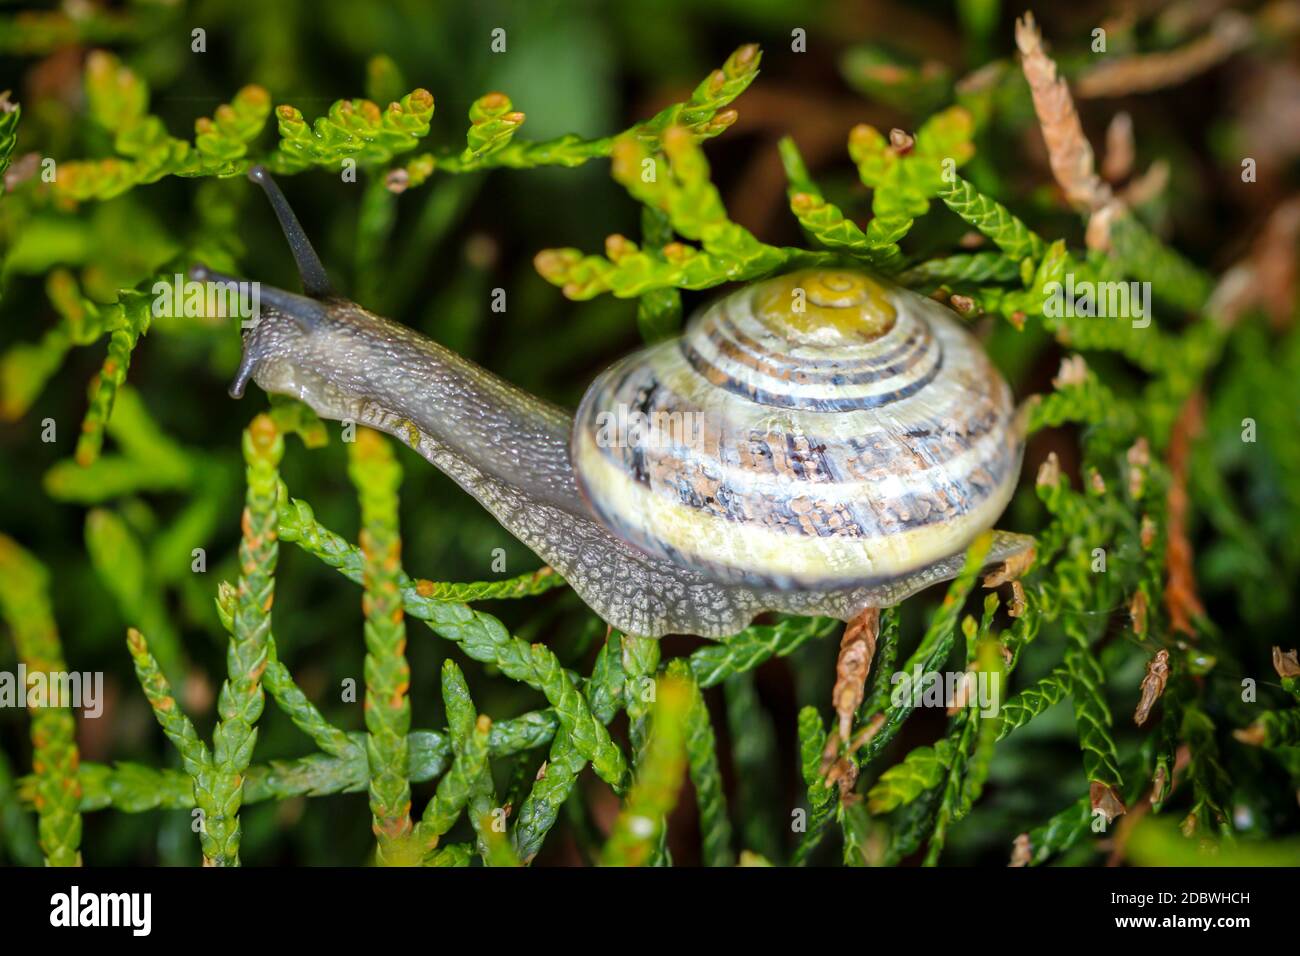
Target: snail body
point(817, 443)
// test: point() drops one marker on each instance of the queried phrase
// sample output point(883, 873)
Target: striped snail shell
point(812, 430)
point(818, 443)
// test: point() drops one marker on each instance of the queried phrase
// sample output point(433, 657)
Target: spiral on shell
point(817, 429)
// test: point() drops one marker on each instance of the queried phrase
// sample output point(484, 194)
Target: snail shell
point(814, 430)
point(846, 440)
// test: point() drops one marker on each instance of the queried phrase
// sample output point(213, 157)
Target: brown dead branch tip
point(842, 772)
point(1146, 187)
point(1153, 685)
point(901, 141)
point(1049, 472)
point(1073, 371)
point(1147, 532)
point(1012, 569)
point(1256, 735)
point(1158, 782)
point(1068, 150)
point(1120, 152)
point(1017, 606)
point(1139, 460)
point(1021, 851)
point(1274, 259)
point(857, 648)
point(1106, 799)
point(1142, 73)
point(1181, 599)
point(1137, 612)
point(964, 304)
point(1286, 663)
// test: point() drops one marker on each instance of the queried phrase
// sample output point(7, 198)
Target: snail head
point(281, 316)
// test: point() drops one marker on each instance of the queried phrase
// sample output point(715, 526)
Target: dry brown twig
point(1071, 155)
point(1068, 150)
point(857, 649)
point(1143, 72)
point(1181, 599)
point(1286, 663)
point(1153, 685)
point(1106, 798)
point(1120, 151)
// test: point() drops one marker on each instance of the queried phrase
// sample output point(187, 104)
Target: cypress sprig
point(1141, 255)
point(988, 727)
point(1062, 831)
point(196, 758)
point(485, 639)
point(882, 670)
point(524, 585)
point(640, 668)
point(241, 700)
point(1091, 713)
point(713, 663)
point(1035, 699)
point(962, 270)
point(702, 762)
point(480, 635)
point(1211, 786)
point(24, 602)
point(658, 311)
point(480, 801)
point(922, 769)
point(284, 689)
point(950, 803)
point(755, 761)
point(10, 114)
point(704, 116)
point(605, 693)
point(992, 219)
point(821, 798)
point(375, 473)
point(134, 788)
point(454, 788)
point(17, 828)
point(905, 176)
point(823, 221)
point(640, 662)
point(131, 318)
point(1273, 728)
point(304, 714)
point(639, 829)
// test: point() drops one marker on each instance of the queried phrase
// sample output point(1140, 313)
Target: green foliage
point(24, 603)
point(635, 838)
point(902, 783)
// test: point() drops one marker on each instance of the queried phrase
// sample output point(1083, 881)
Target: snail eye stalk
point(315, 281)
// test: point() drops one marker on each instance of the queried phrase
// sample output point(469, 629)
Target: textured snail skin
point(511, 451)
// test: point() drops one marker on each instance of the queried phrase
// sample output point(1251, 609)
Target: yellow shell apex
point(825, 307)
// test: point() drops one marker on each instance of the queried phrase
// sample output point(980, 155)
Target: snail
point(822, 442)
